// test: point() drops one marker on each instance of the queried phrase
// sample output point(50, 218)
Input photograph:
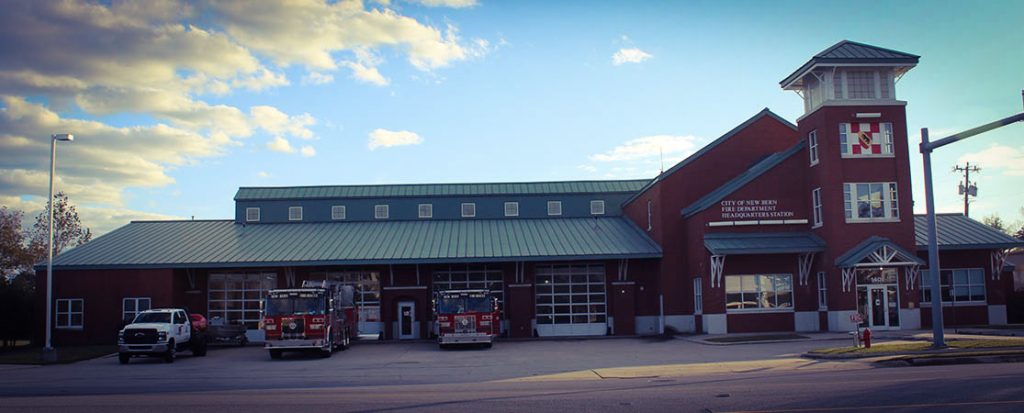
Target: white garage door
point(571, 300)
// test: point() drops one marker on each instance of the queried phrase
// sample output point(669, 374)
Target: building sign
point(876, 276)
point(753, 209)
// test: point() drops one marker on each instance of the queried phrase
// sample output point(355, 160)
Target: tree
point(14, 256)
point(1020, 233)
point(67, 229)
point(995, 222)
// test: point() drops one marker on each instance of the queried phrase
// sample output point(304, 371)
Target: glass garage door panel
point(367, 285)
point(235, 299)
point(571, 300)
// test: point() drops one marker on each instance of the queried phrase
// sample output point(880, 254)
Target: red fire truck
point(466, 317)
point(320, 316)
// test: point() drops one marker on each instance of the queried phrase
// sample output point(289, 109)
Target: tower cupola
point(848, 74)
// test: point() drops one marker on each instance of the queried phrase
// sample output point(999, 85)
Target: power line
point(967, 188)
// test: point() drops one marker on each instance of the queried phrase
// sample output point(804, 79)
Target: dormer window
point(426, 210)
point(380, 211)
point(597, 207)
point(295, 213)
point(511, 209)
point(554, 208)
point(252, 215)
point(468, 210)
point(338, 212)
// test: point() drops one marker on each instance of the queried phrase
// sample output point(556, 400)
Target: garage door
point(235, 299)
point(571, 300)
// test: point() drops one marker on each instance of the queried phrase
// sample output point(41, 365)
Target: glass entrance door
point(879, 304)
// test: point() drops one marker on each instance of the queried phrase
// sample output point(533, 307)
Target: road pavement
point(593, 375)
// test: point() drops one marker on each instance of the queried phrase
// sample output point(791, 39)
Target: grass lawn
point(755, 338)
point(919, 346)
point(34, 355)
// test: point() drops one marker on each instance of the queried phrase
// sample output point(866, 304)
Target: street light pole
point(938, 340)
point(49, 354)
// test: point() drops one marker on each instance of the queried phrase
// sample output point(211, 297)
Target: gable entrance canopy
point(720, 245)
point(877, 252)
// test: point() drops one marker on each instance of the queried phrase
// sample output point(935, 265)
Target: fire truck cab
point(466, 317)
point(320, 316)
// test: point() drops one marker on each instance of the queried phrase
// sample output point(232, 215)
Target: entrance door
point(880, 306)
point(406, 320)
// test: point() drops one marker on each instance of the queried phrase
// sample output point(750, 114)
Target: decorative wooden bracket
point(804, 262)
point(717, 266)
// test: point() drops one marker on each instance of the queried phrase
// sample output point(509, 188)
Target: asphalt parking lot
point(371, 364)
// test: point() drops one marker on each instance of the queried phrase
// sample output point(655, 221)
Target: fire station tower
point(859, 183)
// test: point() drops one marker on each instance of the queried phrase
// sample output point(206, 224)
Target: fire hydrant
point(867, 338)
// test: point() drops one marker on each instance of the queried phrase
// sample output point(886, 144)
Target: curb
point(930, 354)
point(946, 360)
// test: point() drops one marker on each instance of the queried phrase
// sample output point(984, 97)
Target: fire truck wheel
point(344, 341)
point(325, 353)
point(275, 354)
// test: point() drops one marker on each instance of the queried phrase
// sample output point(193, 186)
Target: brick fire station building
point(771, 227)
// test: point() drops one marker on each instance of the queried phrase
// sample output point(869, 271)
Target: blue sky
point(183, 104)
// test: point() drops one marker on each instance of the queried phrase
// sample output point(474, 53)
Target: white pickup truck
point(160, 333)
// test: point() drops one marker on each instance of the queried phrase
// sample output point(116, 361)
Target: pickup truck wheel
point(275, 354)
point(123, 358)
point(171, 352)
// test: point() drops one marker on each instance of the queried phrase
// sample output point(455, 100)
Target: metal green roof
point(763, 243)
point(850, 52)
point(759, 168)
point(220, 244)
point(861, 252)
point(426, 190)
point(957, 232)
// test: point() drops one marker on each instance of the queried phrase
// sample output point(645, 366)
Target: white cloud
point(279, 144)
point(308, 151)
point(317, 78)
point(457, 4)
point(383, 138)
point(1009, 160)
point(670, 147)
point(632, 55)
point(367, 74)
point(276, 122)
point(263, 174)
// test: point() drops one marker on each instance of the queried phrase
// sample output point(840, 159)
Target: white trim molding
point(804, 262)
point(717, 266)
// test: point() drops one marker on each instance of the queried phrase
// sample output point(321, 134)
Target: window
point(958, 285)
point(812, 146)
point(295, 213)
point(860, 84)
point(252, 214)
point(816, 204)
point(698, 297)
point(865, 139)
point(650, 214)
point(570, 294)
point(70, 312)
point(554, 207)
point(875, 201)
point(468, 210)
point(597, 207)
point(380, 211)
point(511, 209)
point(759, 292)
point(338, 212)
point(132, 306)
point(822, 292)
point(426, 211)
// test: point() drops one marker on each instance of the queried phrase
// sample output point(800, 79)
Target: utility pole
point(967, 189)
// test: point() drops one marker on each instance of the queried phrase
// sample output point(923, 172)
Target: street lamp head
point(63, 137)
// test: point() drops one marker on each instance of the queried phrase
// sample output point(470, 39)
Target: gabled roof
point(865, 253)
point(957, 232)
point(765, 165)
point(849, 52)
point(225, 244)
point(741, 243)
point(707, 148)
point(429, 190)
